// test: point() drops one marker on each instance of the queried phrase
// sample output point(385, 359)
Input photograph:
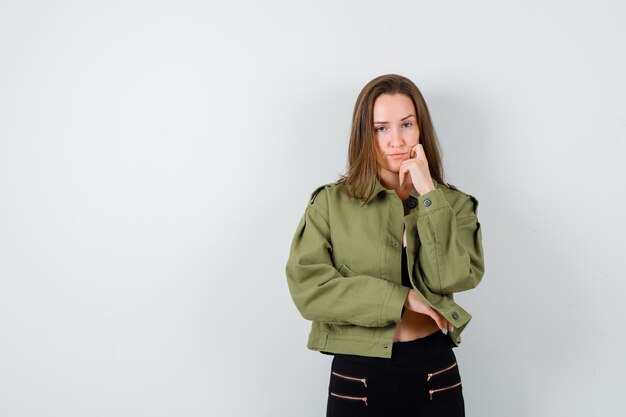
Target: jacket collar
point(379, 188)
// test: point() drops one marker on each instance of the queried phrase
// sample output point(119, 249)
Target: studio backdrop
point(156, 157)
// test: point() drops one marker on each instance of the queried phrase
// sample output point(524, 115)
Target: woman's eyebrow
point(404, 118)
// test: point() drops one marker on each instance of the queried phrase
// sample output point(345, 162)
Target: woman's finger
point(437, 317)
point(444, 324)
point(402, 174)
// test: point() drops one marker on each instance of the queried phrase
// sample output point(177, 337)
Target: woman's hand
point(415, 302)
point(417, 169)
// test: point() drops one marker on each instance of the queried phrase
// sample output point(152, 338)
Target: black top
point(405, 270)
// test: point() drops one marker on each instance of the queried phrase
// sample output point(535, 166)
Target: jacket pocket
point(347, 272)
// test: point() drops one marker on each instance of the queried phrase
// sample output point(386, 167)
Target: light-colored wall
point(155, 158)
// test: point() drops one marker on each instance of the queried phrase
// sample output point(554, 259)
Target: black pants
point(420, 379)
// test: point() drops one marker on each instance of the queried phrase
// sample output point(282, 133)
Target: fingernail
point(444, 330)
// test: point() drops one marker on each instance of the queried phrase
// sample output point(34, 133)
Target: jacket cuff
point(430, 202)
point(394, 305)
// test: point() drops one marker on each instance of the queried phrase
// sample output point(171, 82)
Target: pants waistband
point(432, 343)
point(406, 352)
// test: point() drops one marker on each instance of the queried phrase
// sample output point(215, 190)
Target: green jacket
point(344, 267)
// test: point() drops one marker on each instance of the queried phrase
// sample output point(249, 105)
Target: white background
point(155, 158)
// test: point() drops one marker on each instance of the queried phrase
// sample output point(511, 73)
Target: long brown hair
point(362, 165)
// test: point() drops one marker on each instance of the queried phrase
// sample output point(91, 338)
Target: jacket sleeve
point(450, 254)
point(321, 293)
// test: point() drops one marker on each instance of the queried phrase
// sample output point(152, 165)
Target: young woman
point(376, 259)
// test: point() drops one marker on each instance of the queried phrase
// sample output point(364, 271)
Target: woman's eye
point(407, 124)
point(380, 128)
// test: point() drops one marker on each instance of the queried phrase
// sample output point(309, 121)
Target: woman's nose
point(396, 138)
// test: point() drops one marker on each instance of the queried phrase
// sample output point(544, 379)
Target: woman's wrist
point(425, 188)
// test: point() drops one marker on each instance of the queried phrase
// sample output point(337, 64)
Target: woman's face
point(395, 133)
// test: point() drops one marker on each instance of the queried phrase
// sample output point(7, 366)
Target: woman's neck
point(390, 181)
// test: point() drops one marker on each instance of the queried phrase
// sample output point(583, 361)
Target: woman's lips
point(397, 155)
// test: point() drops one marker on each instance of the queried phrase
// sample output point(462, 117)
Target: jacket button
point(455, 315)
point(427, 202)
point(412, 203)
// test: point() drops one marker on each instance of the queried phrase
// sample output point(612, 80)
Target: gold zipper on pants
point(432, 391)
point(351, 377)
point(441, 371)
point(364, 399)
